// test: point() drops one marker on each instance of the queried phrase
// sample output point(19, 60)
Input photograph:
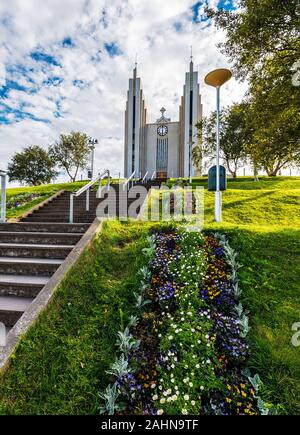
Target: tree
point(263, 45)
point(71, 153)
point(32, 166)
point(276, 128)
point(235, 135)
point(261, 33)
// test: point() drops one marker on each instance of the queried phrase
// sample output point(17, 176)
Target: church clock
point(162, 130)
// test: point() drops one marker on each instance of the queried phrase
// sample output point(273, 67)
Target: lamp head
point(218, 77)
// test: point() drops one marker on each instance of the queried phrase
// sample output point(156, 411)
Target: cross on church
point(162, 110)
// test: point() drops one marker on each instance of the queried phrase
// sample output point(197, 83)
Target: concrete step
point(34, 250)
point(44, 227)
point(51, 213)
point(29, 266)
point(40, 238)
point(61, 220)
point(21, 285)
point(12, 308)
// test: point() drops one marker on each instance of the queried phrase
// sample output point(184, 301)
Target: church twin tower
point(163, 147)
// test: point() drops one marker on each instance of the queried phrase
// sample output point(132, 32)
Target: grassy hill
point(60, 366)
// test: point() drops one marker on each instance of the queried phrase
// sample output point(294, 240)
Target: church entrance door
point(161, 175)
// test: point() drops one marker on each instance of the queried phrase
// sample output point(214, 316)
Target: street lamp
point(92, 143)
point(217, 78)
point(191, 143)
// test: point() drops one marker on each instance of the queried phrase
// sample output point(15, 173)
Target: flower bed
point(22, 199)
point(185, 350)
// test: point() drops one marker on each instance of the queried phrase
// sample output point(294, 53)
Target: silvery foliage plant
point(119, 367)
point(231, 259)
point(126, 342)
point(109, 396)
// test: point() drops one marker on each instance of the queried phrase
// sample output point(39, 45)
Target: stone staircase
point(29, 255)
point(32, 250)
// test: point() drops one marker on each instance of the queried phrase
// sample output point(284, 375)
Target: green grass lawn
point(60, 366)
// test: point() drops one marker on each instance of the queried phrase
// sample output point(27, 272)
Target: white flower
point(193, 330)
point(162, 401)
point(193, 403)
point(169, 391)
point(174, 397)
point(186, 397)
point(190, 384)
point(155, 397)
point(170, 337)
point(184, 412)
point(176, 388)
point(197, 366)
point(202, 388)
point(160, 412)
point(153, 385)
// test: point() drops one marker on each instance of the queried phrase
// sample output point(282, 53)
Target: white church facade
point(164, 147)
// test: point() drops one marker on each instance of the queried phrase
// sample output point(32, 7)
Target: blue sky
point(66, 68)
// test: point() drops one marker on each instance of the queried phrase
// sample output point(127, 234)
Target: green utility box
point(212, 178)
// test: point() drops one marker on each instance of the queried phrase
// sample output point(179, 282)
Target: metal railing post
point(3, 197)
point(87, 202)
point(108, 180)
point(71, 208)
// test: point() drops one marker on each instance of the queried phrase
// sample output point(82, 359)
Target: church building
point(162, 148)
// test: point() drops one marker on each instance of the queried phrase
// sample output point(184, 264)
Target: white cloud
point(97, 108)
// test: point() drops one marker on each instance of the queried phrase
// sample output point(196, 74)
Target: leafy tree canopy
point(235, 136)
point(71, 152)
point(32, 166)
point(263, 46)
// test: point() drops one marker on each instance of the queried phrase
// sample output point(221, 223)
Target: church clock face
point(162, 130)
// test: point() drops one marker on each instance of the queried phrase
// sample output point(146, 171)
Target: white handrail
point(153, 175)
point(86, 188)
point(144, 177)
point(3, 196)
point(128, 180)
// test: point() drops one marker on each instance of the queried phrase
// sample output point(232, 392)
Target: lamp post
point(191, 143)
point(92, 143)
point(217, 78)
